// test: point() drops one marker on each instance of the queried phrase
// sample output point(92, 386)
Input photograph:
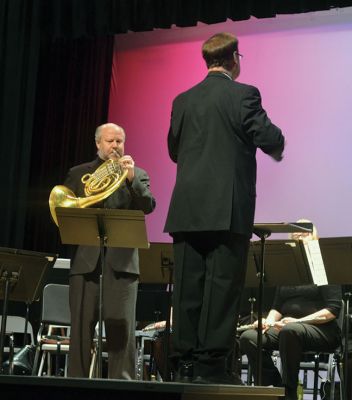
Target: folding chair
point(324, 361)
point(54, 331)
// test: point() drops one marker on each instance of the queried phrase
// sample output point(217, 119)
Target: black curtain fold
point(19, 54)
point(72, 100)
point(75, 18)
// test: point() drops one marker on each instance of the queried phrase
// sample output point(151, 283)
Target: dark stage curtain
point(72, 100)
point(55, 65)
point(77, 17)
point(19, 53)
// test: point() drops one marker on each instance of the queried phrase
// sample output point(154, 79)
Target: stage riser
point(35, 393)
point(28, 388)
point(54, 393)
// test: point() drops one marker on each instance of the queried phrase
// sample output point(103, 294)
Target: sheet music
point(316, 262)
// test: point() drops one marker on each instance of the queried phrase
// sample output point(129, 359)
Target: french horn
point(99, 185)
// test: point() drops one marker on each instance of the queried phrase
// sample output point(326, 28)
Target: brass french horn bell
point(99, 185)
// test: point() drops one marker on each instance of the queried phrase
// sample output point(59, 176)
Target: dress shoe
point(185, 372)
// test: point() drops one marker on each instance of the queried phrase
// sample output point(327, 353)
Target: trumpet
point(99, 185)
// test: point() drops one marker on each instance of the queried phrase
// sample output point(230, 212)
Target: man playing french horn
point(120, 278)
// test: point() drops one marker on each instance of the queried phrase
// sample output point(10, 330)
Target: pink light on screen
point(301, 66)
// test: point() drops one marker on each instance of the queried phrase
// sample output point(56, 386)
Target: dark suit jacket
point(216, 128)
point(135, 196)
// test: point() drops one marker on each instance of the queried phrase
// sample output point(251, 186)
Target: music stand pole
point(251, 321)
point(346, 333)
point(167, 328)
point(25, 338)
point(263, 235)
point(102, 241)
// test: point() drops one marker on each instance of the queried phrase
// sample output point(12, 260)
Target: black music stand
point(156, 266)
point(337, 256)
point(22, 274)
point(102, 228)
point(263, 231)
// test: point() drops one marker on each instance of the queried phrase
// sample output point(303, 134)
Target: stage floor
point(28, 388)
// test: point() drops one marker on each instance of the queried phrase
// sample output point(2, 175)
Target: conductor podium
point(102, 228)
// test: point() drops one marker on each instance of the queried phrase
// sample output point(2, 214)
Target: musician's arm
point(319, 317)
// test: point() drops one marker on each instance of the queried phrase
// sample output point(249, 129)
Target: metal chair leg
point(11, 352)
point(316, 376)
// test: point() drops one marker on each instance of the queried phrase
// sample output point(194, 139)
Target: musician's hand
point(265, 325)
point(270, 323)
point(127, 163)
point(255, 324)
point(284, 321)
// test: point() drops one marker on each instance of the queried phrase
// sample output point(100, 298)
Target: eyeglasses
point(240, 56)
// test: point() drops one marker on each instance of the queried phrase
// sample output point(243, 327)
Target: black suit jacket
point(216, 128)
point(135, 196)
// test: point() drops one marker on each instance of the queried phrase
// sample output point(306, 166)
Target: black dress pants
point(209, 276)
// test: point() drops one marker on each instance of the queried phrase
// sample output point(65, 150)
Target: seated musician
point(302, 318)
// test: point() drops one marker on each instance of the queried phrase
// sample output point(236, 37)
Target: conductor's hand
point(277, 154)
